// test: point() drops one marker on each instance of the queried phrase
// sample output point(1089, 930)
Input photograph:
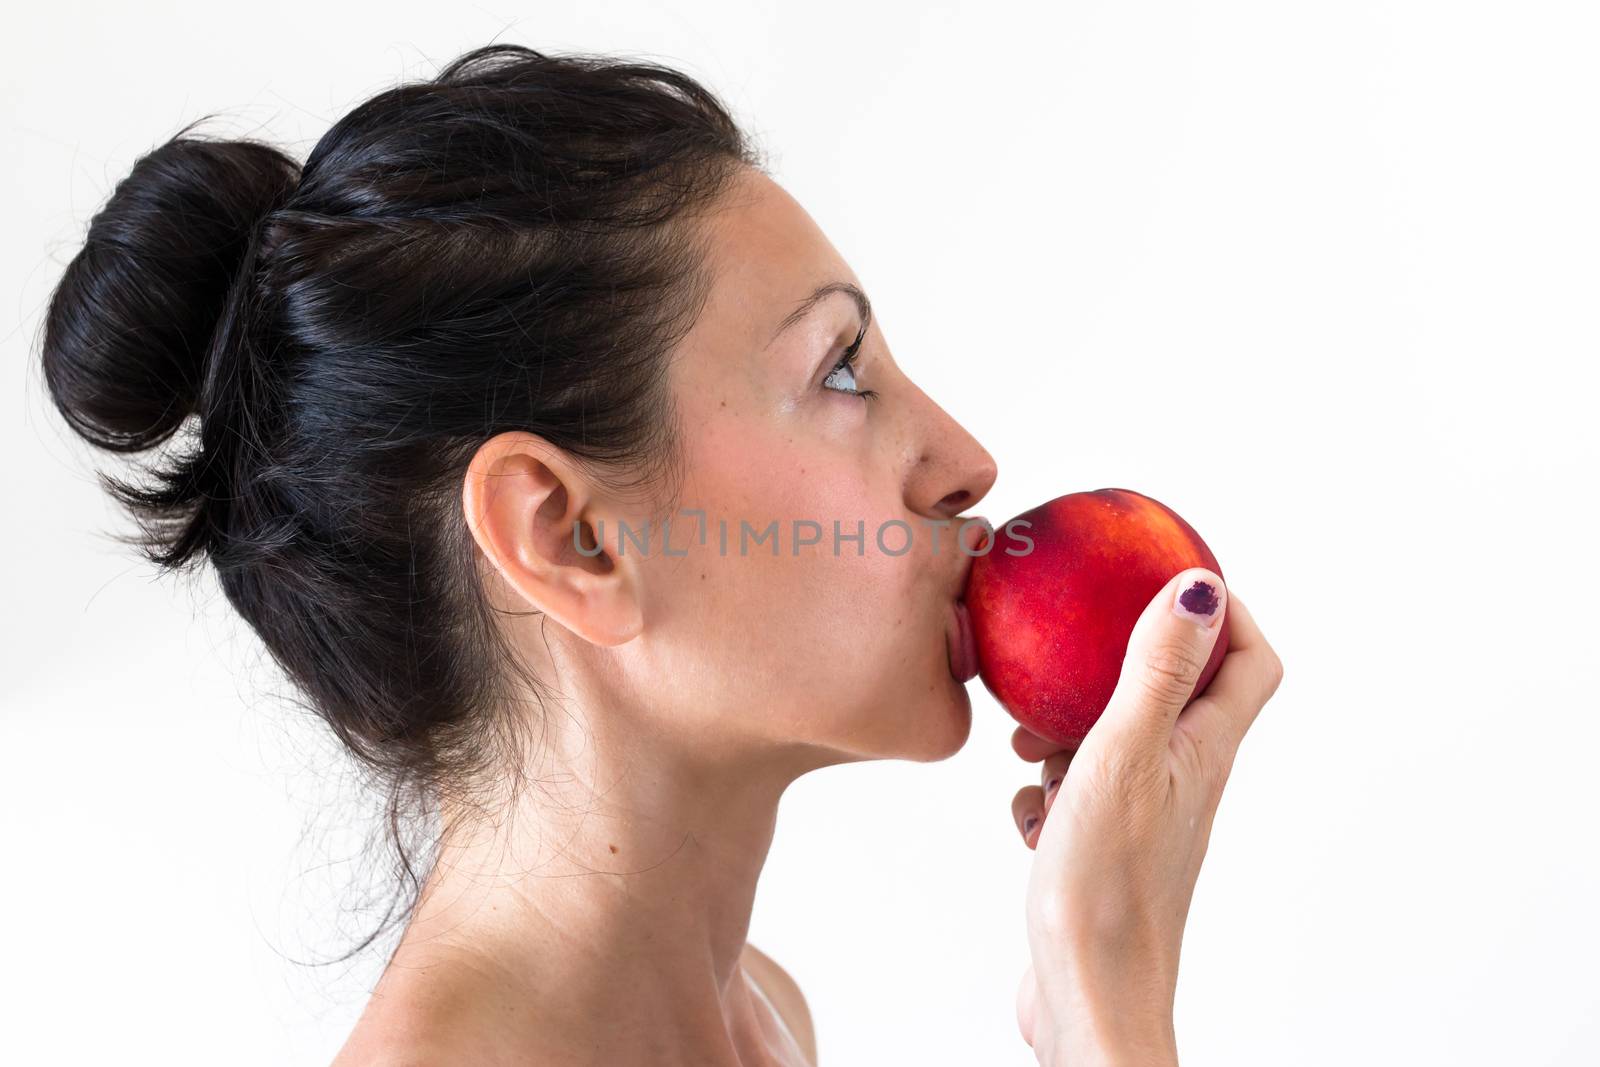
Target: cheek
point(798, 634)
point(838, 501)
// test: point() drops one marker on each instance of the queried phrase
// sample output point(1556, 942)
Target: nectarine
point(1051, 623)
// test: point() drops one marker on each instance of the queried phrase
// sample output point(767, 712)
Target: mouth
point(962, 646)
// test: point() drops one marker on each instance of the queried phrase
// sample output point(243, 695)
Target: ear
point(525, 502)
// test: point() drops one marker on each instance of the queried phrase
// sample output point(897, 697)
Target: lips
point(963, 649)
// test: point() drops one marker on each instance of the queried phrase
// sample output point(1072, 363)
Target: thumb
point(1167, 652)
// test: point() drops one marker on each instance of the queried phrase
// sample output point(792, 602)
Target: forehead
point(765, 254)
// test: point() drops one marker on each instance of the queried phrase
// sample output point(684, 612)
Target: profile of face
point(800, 645)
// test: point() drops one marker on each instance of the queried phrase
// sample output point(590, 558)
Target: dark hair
point(503, 246)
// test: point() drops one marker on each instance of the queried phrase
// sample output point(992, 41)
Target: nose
point(952, 471)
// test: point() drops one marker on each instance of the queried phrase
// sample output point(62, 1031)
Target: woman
point(499, 325)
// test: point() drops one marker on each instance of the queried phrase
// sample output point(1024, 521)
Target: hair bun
point(131, 322)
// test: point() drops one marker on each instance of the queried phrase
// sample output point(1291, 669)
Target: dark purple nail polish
point(1198, 603)
point(1028, 824)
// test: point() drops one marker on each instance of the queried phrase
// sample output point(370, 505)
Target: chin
point(943, 725)
point(924, 724)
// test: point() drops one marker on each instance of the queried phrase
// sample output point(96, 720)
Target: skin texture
point(601, 917)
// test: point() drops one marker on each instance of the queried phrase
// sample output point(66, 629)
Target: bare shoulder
point(393, 1040)
point(785, 995)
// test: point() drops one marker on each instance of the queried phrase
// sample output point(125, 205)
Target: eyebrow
point(804, 308)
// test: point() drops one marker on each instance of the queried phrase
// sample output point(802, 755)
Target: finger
point(1243, 634)
point(1030, 746)
point(1051, 776)
point(1167, 651)
point(1251, 670)
point(1218, 719)
point(1027, 811)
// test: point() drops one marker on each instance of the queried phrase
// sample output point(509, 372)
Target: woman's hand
point(1120, 826)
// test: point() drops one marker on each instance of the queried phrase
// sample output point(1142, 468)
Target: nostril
point(956, 500)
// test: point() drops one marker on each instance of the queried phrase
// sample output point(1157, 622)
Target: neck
point(606, 906)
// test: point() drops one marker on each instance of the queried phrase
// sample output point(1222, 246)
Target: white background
point(1321, 277)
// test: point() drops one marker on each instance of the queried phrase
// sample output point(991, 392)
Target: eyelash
point(848, 360)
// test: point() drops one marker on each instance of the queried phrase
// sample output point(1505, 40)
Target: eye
point(844, 372)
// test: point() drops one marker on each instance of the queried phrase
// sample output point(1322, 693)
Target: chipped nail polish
point(1198, 603)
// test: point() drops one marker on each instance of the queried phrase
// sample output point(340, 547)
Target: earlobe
point(530, 510)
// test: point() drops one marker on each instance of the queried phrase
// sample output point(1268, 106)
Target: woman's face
point(841, 646)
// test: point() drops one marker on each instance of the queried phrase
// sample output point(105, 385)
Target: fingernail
point(1050, 786)
point(1028, 824)
point(1199, 602)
